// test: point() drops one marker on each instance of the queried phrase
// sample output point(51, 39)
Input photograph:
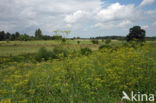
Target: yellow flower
point(6, 101)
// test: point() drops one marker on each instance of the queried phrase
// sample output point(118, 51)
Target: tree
point(12, 37)
point(2, 35)
point(24, 37)
point(17, 34)
point(8, 36)
point(136, 33)
point(38, 34)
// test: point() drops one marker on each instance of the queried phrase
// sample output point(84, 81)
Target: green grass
point(15, 48)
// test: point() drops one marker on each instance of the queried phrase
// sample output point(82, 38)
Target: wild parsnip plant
point(99, 77)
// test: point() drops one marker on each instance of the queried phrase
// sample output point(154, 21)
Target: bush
point(104, 46)
point(94, 41)
point(44, 54)
point(63, 40)
point(78, 42)
point(59, 51)
point(86, 51)
point(107, 41)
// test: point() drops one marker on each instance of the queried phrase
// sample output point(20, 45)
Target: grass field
point(73, 76)
point(19, 47)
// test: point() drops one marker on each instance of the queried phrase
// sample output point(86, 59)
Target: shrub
point(86, 51)
point(44, 54)
point(78, 42)
point(94, 41)
point(59, 51)
point(104, 46)
point(63, 40)
point(107, 41)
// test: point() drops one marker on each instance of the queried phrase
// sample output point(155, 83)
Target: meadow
point(75, 73)
point(22, 47)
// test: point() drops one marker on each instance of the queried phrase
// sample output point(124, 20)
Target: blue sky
point(85, 18)
point(125, 2)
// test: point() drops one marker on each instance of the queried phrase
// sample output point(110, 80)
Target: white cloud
point(146, 2)
point(145, 27)
point(68, 25)
point(104, 25)
point(154, 24)
point(75, 16)
point(116, 12)
point(125, 23)
point(150, 12)
point(46, 14)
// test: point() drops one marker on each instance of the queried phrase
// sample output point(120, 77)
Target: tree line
point(135, 33)
point(25, 37)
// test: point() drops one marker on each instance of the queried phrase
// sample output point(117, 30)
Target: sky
point(84, 18)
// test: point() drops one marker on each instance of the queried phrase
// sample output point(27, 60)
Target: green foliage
point(2, 35)
point(44, 54)
point(107, 41)
point(56, 37)
point(94, 41)
point(38, 34)
point(104, 46)
point(78, 42)
point(100, 77)
point(63, 40)
point(136, 34)
point(24, 37)
point(86, 51)
point(60, 52)
point(46, 37)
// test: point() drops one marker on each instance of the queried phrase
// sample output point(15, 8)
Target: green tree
point(38, 34)
point(137, 34)
point(2, 35)
point(17, 34)
point(8, 36)
point(24, 37)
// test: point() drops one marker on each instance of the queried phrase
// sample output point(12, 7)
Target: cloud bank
point(82, 17)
